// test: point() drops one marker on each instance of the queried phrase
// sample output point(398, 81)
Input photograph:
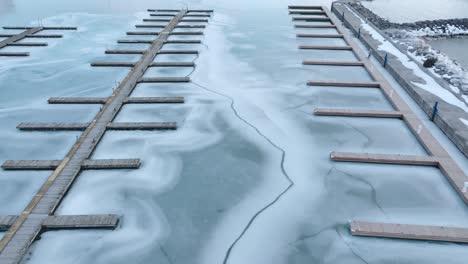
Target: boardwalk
point(39, 214)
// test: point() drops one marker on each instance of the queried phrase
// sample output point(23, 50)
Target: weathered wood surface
point(345, 84)
point(384, 158)
point(125, 51)
point(17, 240)
point(183, 41)
point(319, 35)
point(31, 164)
point(314, 26)
point(33, 36)
point(173, 64)
point(106, 164)
point(86, 164)
point(405, 231)
point(77, 100)
point(52, 126)
point(357, 113)
point(164, 80)
point(61, 222)
point(142, 126)
point(307, 13)
point(178, 52)
point(311, 47)
point(142, 33)
point(134, 41)
point(333, 63)
point(154, 100)
point(195, 20)
point(155, 64)
point(28, 44)
point(197, 15)
point(42, 28)
point(191, 26)
point(112, 64)
point(192, 33)
point(305, 7)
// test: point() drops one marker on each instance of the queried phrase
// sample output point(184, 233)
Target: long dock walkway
point(437, 155)
point(39, 213)
point(29, 32)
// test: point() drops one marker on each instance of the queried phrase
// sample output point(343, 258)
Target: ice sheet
point(249, 164)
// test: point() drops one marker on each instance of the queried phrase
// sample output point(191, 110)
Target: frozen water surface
point(249, 162)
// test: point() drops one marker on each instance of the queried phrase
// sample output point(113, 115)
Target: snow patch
point(430, 84)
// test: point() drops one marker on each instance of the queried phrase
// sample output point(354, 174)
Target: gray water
point(248, 168)
point(455, 48)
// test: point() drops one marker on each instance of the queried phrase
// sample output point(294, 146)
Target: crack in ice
point(283, 170)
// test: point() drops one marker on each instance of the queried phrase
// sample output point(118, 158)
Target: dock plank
point(142, 126)
point(30, 126)
point(384, 158)
point(314, 26)
point(77, 100)
point(172, 64)
point(61, 222)
point(357, 113)
point(305, 7)
point(345, 84)
point(407, 231)
point(154, 100)
point(31, 164)
point(164, 80)
point(105, 164)
point(319, 35)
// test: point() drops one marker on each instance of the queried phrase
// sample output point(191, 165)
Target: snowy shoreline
point(413, 36)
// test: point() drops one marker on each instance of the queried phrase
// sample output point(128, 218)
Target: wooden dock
point(319, 35)
point(437, 156)
point(13, 40)
point(39, 213)
point(164, 80)
point(384, 158)
point(311, 19)
point(344, 84)
point(52, 126)
point(95, 164)
point(357, 113)
point(404, 231)
point(72, 222)
point(142, 126)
